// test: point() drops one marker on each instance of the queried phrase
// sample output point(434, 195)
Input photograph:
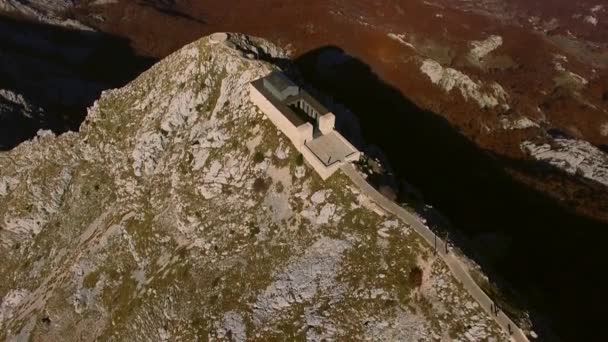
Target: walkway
point(450, 259)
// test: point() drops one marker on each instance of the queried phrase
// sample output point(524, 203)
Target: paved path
point(450, 259)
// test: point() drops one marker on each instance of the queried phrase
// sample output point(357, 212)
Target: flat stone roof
point(279, 81)
point(330, 148)
point(294, 118)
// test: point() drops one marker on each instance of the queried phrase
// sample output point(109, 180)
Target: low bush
point(300, 160)
point(258, 157)
point(415, 276)
point(260, 185)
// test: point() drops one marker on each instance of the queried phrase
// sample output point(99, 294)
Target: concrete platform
point(332, 148)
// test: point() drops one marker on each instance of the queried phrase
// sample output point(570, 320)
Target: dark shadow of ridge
point(60, 70)
point(168, 7)
point(535, 245)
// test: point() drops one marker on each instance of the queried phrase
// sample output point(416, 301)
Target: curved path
point(450, 259)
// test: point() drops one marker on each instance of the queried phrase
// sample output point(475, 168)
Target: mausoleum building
point(305, 121)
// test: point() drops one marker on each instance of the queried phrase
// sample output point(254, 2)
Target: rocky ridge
point(179, 212)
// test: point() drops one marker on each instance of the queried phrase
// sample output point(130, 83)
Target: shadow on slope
point(546, 253)
point(168, 7)
point(61, 71)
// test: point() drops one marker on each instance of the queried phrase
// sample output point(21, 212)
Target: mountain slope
point(59, 68)
point(179, 212)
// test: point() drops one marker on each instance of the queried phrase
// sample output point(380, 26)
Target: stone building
point(305, 121)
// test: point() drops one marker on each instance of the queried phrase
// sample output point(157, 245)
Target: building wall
point(327, 123)
point(278, 119)
point(305, 132)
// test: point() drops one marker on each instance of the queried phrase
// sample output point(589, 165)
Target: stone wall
point(297, 136)
point(327, 123)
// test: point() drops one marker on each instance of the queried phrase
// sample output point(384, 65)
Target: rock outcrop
point(486, 96)
point(576, 157)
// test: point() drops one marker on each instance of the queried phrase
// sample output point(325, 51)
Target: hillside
point(57, 66)
point(178, 212)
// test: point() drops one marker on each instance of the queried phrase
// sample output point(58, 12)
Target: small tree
point(259, 185)
point(253, 230)
point(300, 160)
point(258, 157)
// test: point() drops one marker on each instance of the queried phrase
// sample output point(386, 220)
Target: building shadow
point(543, 256)
point(59, 70)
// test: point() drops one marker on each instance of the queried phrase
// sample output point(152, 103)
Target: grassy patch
point(91, 279)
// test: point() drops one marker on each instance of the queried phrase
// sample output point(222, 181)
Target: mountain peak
point(180, 212)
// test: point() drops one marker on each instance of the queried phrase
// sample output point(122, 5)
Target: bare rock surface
point(489, 96)
point(576, 157)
